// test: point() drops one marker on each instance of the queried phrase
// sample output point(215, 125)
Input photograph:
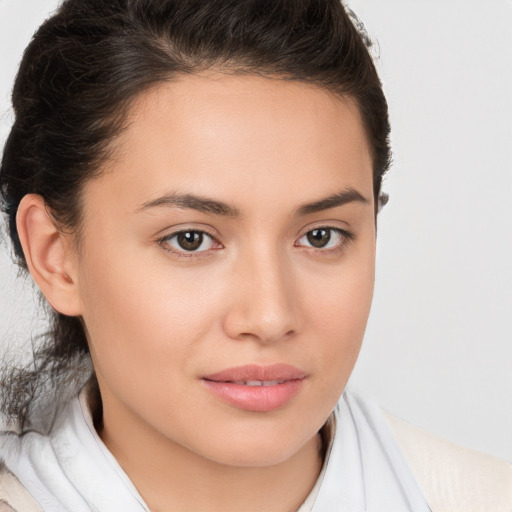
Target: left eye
point(190, 241)
point(322, 238)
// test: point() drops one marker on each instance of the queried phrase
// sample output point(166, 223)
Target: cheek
point(339, 308)
point(341, 297)
point(142, 317)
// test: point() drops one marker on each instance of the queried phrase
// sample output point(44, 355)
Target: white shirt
point(71, 470)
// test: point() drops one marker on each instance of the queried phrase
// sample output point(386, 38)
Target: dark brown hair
point(87, 63)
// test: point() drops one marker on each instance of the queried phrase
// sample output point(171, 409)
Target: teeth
point(259, 382)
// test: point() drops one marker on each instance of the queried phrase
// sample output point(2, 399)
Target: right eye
point(189, 241)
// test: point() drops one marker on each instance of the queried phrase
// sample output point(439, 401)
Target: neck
point(170, 477)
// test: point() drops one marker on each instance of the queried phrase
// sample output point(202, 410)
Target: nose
point(264, 304)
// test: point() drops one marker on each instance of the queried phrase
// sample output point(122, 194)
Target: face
point(227, 264)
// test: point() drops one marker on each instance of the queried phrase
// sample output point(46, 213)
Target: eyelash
point(345, 238)
point(164, 243)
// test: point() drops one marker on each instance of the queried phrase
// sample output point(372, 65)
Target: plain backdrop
point(438, 348)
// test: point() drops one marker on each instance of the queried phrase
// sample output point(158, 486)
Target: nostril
point(247, 324)
point(264, 303)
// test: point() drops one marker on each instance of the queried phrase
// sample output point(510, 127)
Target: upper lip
point(254, 372)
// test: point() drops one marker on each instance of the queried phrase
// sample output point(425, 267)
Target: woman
point(194, 187)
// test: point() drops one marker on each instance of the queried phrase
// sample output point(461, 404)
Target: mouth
point(256, 388)
point(258, 382)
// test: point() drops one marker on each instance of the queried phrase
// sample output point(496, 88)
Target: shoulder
point(453, 478)
point(13, 496)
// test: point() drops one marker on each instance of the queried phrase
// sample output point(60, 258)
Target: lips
point(259, 382)
point(256, 388)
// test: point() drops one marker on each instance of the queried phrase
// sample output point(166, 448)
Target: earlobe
point(49, 258)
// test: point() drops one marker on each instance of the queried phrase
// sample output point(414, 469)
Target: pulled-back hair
point(83, 69)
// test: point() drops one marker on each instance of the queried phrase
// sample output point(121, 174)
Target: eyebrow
point(213, 206)
point(349, 195)
point(191, 201)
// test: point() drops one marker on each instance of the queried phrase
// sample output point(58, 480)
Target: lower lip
point(255, 398)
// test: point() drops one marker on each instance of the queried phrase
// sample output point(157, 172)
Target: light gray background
point(438, 349)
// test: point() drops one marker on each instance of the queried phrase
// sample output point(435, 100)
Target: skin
point(158, 319)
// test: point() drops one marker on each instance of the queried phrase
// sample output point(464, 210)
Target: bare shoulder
point(453, 478)
point(13, 496)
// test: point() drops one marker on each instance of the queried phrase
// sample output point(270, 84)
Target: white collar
point(72, 469)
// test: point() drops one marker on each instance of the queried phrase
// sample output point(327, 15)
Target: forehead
point(230, 135)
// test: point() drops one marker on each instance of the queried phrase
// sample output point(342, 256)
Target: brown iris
point(190, 240)
point(319, 237)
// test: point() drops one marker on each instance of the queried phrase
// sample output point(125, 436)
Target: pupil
point(319, 237)
point(190, 240)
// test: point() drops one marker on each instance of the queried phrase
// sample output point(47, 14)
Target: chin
point(263, 455)
point(261, 444)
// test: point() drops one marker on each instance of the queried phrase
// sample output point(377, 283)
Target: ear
point(49, 255)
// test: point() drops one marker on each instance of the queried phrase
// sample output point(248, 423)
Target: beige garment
point(454, 478)
point(13, 496)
